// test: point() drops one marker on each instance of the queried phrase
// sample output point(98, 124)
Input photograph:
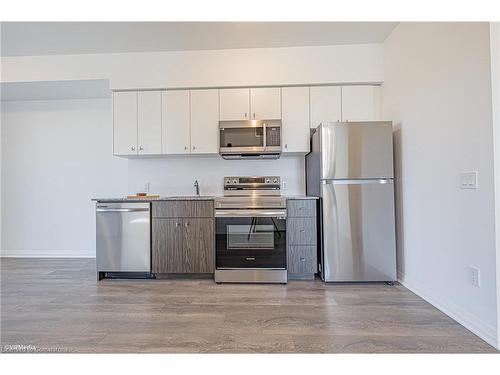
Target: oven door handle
point(280, 214)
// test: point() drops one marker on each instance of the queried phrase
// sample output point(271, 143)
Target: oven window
point(241, 137)
point(253, 236)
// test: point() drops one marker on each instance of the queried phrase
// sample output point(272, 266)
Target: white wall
point(212, 68)
point(176, 175)
point(495, 90)
point(437, 90)
point(56, 156)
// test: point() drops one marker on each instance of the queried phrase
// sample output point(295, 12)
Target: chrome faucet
point(197, 187)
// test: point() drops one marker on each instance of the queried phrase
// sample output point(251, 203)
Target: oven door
point(250, 239)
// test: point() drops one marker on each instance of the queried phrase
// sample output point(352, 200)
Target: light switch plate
point(468, 180)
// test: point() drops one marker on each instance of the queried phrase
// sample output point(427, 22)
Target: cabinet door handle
point(185, 147)
point(177, 224)
point(250, 258)
point(301, 230)
point(140, 148)
point(132, 148)
point(254, 115)
point(286, 146)
point(194, 147)
point(302, 259)
point(186, 224)
point(245, 115)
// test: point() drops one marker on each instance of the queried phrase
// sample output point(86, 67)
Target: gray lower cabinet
point(302, 261)
point(183, 243)
point(198, 243)
point(167, 253)
point(302, 234)
point(301, 208)
point(301, 230)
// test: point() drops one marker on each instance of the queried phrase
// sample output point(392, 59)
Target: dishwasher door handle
point(122, 209)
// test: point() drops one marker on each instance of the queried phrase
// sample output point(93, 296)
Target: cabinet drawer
point(302, 260)
point(301, 231)
point(301, 208)
point(183, 209)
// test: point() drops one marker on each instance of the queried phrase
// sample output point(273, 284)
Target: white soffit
point(55, 90)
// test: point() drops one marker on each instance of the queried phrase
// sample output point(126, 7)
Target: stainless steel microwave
point(250, 139)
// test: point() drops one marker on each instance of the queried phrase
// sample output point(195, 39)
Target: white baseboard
point(470, 321)
point(65, 253)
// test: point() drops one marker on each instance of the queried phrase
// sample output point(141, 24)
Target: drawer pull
point(301, 230)
point(302, 259)
point(250, 258)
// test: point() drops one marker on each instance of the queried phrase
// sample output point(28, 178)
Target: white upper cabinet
point(234, 104)
point(186, 121)
point(265, 103)
point(295, 123)
point(204, 121)
point(360, 103)
point(326, 104)
point(125, 123)
point(137, 123)
point(176, 122)
point(149, 122)
point(250, 104)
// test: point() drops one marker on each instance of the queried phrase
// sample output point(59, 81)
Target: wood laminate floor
point(57, 305)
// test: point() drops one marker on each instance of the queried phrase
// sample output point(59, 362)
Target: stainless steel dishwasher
point(123, 239)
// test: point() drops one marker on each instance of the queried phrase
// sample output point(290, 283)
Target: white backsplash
point(176, 175)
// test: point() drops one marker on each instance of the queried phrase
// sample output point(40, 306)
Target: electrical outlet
point(284, 185)
point(474, 277)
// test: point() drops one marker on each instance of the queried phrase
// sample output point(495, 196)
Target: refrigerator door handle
point(358, 182)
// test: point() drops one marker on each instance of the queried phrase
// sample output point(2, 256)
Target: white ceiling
point(53, 38)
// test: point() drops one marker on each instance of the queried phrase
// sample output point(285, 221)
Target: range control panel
point(252, 181)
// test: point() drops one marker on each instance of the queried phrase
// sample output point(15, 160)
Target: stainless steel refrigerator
point(350, 167)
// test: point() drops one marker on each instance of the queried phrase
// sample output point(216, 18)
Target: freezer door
point(358, 230)
point(351, 150)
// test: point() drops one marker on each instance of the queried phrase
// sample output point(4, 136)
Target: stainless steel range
point(251, 231)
